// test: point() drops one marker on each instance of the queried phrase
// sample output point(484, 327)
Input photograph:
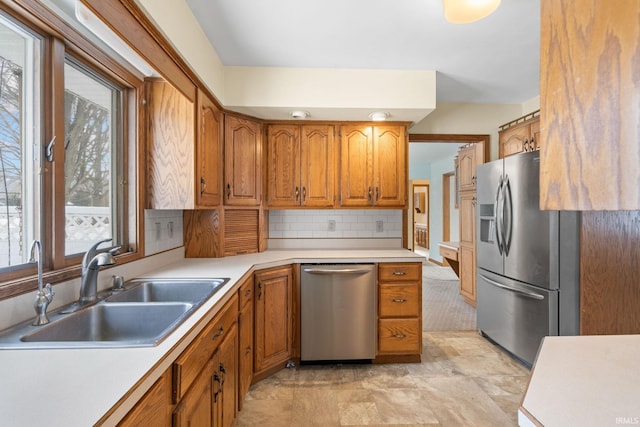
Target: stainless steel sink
point(125, 324)
point(142, 315)
point(166, 290)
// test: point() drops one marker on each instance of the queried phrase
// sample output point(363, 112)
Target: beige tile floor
point(463, 380)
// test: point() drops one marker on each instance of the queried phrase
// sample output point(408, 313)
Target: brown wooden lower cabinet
point(245, 339)
point(273, 320)
point(154, 409)
point(400, 310)
point(251, 337)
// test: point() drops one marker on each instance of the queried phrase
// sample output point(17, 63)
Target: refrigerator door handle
point(509, 288)
point(508, 224)
point(498, 217)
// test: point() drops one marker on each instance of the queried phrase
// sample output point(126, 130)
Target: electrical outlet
point(158, 231)
point(331, 225)
point(170, 229)
point(379, 226)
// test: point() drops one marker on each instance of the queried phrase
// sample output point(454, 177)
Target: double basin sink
point(141, 315)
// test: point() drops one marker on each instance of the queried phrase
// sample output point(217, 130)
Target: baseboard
point(435, 262)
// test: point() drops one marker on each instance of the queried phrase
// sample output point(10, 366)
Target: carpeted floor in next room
point(443, 308)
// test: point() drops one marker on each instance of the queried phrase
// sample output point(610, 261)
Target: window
point(68, 164)
point(20, 71)
point(92, 137)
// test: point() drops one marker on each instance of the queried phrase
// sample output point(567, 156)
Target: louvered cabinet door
point(241, 231)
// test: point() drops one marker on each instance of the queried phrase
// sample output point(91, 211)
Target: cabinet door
point(514, 140)
point(209, 153)
point(196, 409)
point(170, 147)
point(467, 246)
point(535, 143)
point(317, 165)
point(242, 162)
point(389, 165)
point(228, 371)
point(245, 361)
point(467, 168)
point(356, 166)
point(273, 318)
point(154, 409)
point(589, 103)
point(283, 166)
point(468, 274)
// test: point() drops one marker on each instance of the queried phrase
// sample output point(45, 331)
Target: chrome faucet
point(45, 294)
point(91, 264)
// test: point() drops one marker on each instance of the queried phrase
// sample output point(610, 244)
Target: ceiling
point(494, 60)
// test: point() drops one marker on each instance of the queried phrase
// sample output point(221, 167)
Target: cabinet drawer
point(399, 300)
point(399, 336)
point(448, 253)
point(187, 367)
point(245, 293)
point(399, 271)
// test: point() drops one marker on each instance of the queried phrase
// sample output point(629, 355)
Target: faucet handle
point(118, 284)
point(115, 250)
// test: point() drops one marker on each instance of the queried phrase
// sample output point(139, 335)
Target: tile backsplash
point(162, 230)
point(335, 224)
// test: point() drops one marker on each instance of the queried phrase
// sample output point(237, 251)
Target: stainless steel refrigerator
point(527, 259)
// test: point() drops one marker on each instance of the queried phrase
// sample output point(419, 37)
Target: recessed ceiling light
point(379, 116)
point(299, 114)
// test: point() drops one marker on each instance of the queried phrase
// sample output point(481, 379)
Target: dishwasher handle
point(337, 270)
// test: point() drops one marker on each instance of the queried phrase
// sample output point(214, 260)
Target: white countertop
point(76, 387)
point(584, 381)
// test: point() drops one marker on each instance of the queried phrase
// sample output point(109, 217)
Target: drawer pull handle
point(399, 273)
point(401, 336)
point(398, 300)
point(220, 332)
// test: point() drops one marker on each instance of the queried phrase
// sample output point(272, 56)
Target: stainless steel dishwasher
point(338, 312)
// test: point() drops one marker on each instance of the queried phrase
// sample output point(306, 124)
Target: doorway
point(435, 195)
point(420, 211)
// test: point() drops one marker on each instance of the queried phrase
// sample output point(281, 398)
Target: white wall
point(162, 230)
point(463, 118)
point(177, 23)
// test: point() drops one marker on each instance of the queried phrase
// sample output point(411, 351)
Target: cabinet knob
point(228, 190)
point(370, 195)
point(304, 193)
point(297, 192)
point(259, 290)
point(377, 194)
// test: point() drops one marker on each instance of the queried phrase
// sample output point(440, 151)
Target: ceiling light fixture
point(467, 11)
point(379, 116)
point(299, 114)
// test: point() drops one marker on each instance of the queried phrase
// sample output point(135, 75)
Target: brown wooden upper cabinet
point(184, 149)
point(210, 140)
point(242, 162)
point(589, 94)
point(301, 166)
point(469, 157)
point(522, 134)
point(373, 166)
point(170, 147)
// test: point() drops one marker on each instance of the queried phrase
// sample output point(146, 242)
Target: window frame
point(60, 42)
